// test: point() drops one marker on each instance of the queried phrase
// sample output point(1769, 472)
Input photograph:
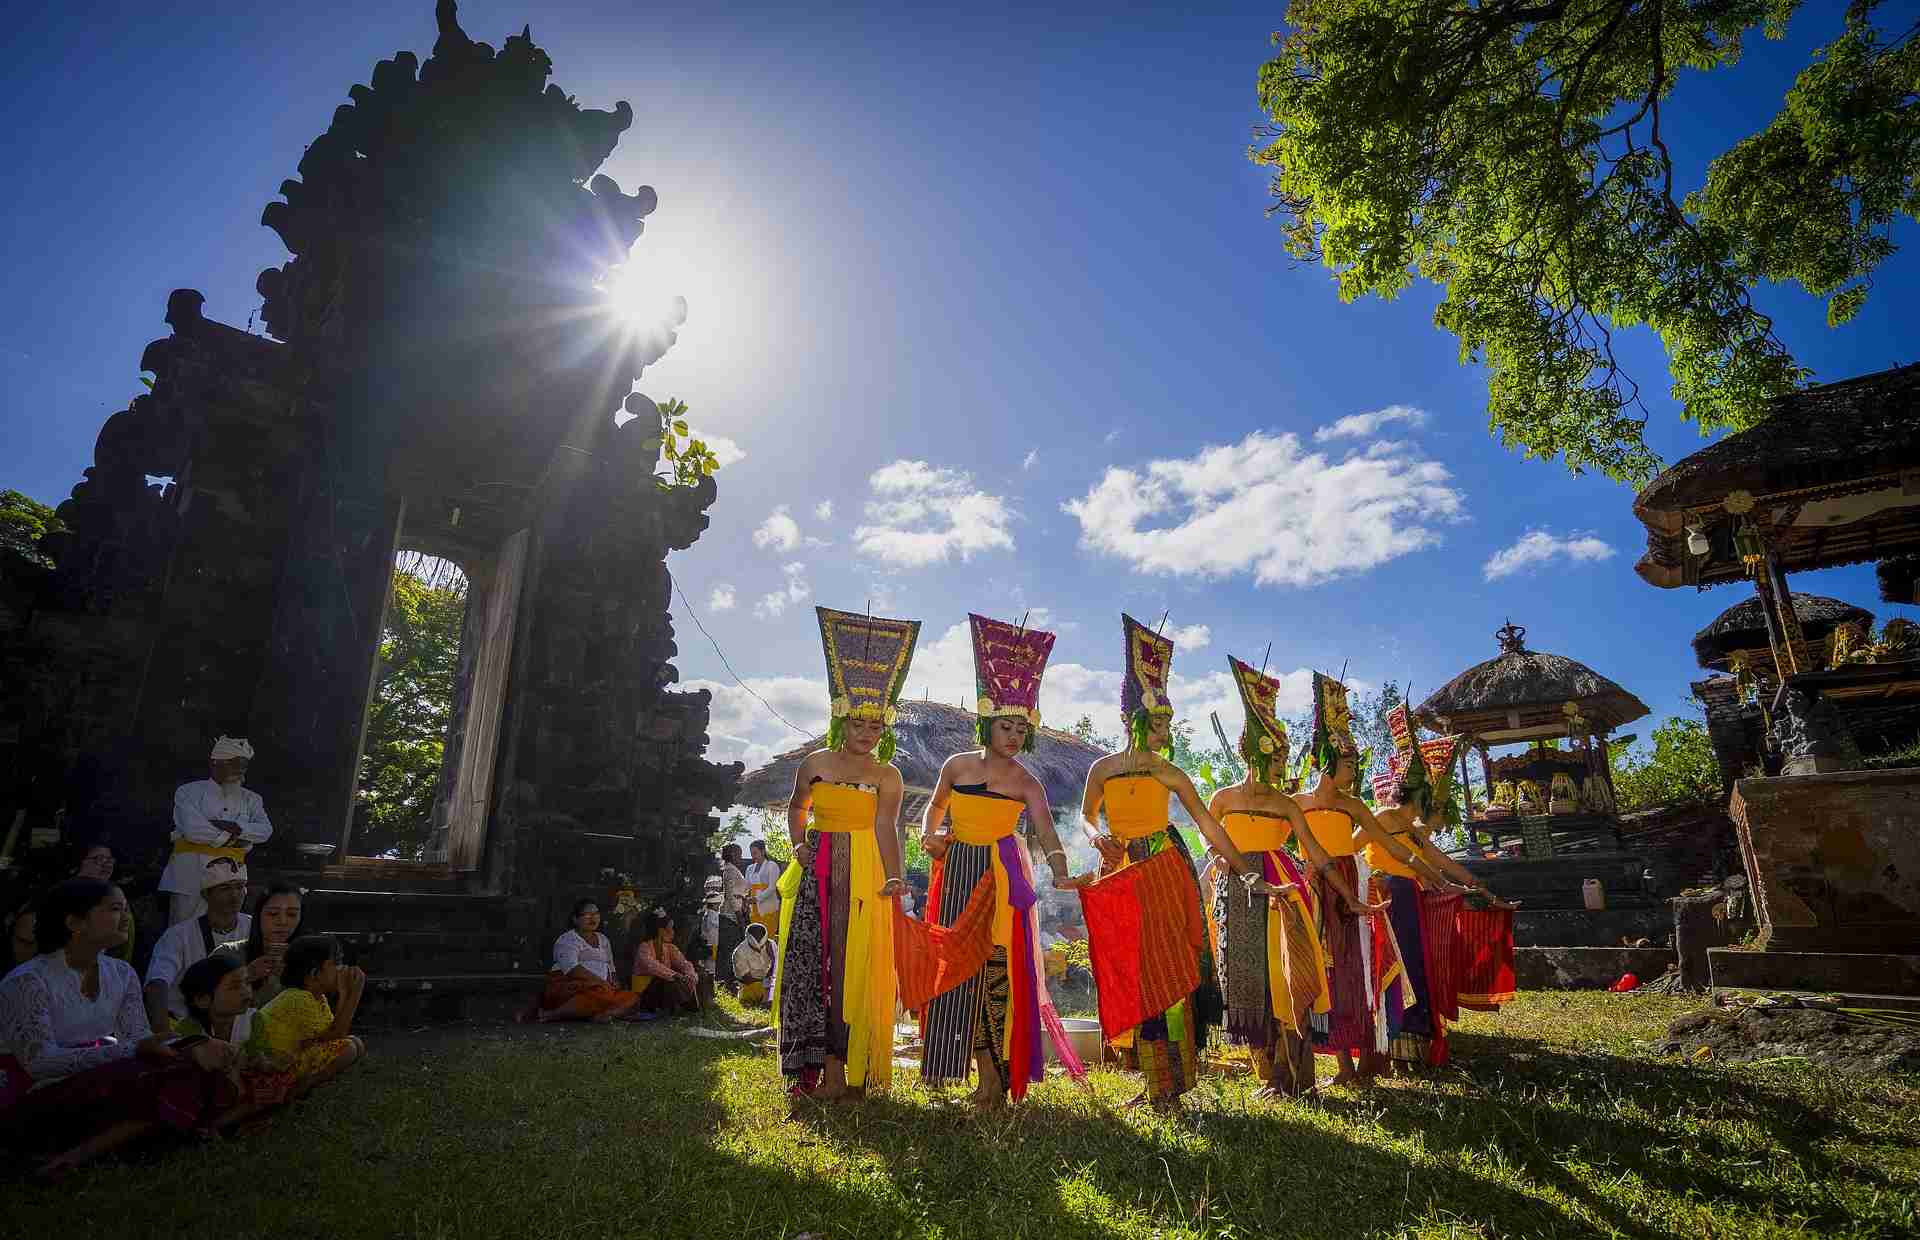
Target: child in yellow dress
point(303, 1025)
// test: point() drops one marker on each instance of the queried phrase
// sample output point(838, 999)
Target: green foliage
point(1085, 731)
point(1906, 754)
point(1681, 768)
point(412, 707)
point(23, 521)
point(688, 460)
point(1210, 769)
point(1511, 152)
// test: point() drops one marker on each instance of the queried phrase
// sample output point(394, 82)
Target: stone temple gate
point(442, 374)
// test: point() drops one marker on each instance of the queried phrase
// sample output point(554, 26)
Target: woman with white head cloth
point(214, 817)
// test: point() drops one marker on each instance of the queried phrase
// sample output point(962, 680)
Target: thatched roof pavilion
point(929, 733)
point(1820, 481)
point(1742, 629)
point(1525, 695)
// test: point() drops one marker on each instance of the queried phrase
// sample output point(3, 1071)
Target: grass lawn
point(1550, 1124)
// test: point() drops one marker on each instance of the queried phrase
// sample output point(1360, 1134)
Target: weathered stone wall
point(1586, 968)
point(1833, 859)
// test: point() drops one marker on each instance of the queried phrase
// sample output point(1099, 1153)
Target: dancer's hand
point(1112, 851)
point(1073, 882)
point(936, 845)
point(893, 889)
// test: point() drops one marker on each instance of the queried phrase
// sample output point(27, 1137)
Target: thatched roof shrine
point(1742, 628)
point(929, 733)
point(1524, 695)
point(1827, 479)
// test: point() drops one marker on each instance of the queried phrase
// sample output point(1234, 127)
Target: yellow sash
point(984, 821)
point(235, 855)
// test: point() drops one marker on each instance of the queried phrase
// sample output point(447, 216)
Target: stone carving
point(1809, 734)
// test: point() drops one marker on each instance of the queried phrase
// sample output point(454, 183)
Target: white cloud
point(777, 601)
point(779, 532)
point(724, 449)
point(741, 729)
point(1031, 459)
point(922, 515)
point(1111, 435)
point(824, 510)
point(721, 598)
point(1362, 425)
point(1191, 637)
point(1267, 506)
point(1537, 547)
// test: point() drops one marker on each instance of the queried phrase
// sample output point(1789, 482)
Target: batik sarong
point(1364, 975)
point(1415, 918)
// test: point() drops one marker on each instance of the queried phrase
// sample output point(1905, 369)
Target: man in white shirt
point(763, 887)
point(753, 964)
point(212, 818)
point(187, 942)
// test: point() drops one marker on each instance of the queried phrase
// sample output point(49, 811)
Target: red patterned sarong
point(1486, 957)
point(1145, 933)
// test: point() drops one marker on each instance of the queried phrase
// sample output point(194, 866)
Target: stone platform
point(1586, 968)
point(1825, 972)
point(1579, 927)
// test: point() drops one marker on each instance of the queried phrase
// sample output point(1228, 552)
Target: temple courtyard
point(1558, 1118)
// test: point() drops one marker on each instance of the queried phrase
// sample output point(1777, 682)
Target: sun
point(639, 303)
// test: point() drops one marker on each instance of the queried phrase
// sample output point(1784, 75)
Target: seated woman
point(302, 1025)
point(581, 984)
point(98, 862)
point(220, 1005)
point(664, 978)
point(276, 923)
point(753, 964)
point(73, 1021)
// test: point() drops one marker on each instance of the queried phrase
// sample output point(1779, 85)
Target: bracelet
point(1249, 878)
point(1057, 852)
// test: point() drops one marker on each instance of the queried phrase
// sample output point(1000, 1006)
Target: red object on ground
point(1628, 981)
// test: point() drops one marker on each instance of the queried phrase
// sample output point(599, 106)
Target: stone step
point(1904, 1004)
point(1824, 972)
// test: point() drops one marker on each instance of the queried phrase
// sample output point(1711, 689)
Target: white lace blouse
point(55, 1031)
point(570, 950)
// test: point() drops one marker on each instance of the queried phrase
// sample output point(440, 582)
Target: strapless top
point(1333, 828)
point(1255, 830)
point(1136, 805)
point(983, 817)
point(843, 808)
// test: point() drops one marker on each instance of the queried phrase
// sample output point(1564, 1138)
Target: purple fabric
point(1403, 914)
point(1026, 1057)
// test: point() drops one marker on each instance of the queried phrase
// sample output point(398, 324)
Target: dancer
point(1416, 799)
point(992, 1002)
point(1364, 973)
point(1272, 970)
point(1146, 932)
point(835, 989)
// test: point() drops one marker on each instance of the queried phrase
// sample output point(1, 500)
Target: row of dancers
point(1364, 947)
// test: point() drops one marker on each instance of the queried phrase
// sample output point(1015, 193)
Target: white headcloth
point(230, 747)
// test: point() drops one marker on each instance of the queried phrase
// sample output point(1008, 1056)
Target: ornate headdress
point(1143, 686)
point(1008, 661)
point(1425, 784)
point(867, 662)
point(1263, 738)
point(1332, 727)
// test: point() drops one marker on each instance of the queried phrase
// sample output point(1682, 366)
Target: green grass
point(1551, 1124)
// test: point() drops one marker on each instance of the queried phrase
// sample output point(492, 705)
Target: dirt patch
point(1798, 1030)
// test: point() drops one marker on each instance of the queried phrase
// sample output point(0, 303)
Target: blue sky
point(945, 271)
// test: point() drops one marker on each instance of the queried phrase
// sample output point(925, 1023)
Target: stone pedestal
point(1833, 859)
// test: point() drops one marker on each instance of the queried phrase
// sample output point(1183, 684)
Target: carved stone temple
point(441, 373)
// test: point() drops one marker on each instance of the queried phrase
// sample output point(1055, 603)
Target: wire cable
point(694, 616)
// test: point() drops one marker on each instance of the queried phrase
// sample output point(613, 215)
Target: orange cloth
point(932, 959)
point(1145, 931)
point(589, 998)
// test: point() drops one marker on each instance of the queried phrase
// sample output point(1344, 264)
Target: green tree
point(1512, 152)
point(412, 707)
point(1085, 731)
point(1681, 768)
point(23, 520)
